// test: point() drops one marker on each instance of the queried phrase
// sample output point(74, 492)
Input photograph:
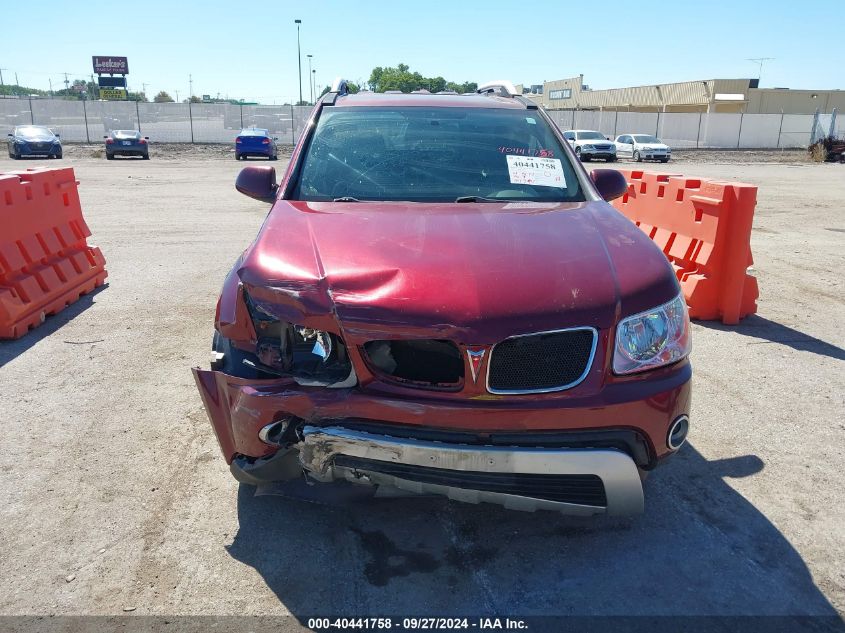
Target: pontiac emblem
point(476, 357)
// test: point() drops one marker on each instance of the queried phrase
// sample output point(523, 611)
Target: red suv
point(441, 300)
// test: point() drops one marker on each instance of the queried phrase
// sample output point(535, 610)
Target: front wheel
point(664, 160)
point(611, 159)
point(146, 157)
point(578, 153)
point(109, 156)
point(637, 157)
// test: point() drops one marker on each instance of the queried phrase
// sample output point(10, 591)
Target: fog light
point(678, 432)
point(272, 433)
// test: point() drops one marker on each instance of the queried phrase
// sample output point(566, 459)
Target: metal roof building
point(710, 95)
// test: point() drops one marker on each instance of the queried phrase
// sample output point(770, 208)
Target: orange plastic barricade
point(45, 261)
point(704, 228)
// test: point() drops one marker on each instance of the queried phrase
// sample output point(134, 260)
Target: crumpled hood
point(478, 271)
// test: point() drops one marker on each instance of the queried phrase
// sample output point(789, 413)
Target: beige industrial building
point(710, 95)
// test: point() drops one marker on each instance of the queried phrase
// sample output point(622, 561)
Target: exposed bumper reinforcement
point(506, 473)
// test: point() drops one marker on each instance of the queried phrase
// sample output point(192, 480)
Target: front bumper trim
point(618, 472)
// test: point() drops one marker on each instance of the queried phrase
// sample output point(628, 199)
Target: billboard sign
point(111, 82)
point(111, 65)
point(113, 94)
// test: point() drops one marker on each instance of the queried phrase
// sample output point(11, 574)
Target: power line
point(760, 61)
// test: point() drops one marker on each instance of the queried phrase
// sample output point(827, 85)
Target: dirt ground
point(114, 498)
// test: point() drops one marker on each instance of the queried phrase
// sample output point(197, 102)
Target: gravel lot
point(114, 497)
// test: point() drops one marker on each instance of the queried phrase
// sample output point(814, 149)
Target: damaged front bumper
point(329, 440)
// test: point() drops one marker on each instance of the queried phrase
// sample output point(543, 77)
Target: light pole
point(299, 58)
point(314, 81)
point(310, 72)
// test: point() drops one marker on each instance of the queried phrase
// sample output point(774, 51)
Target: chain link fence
point(89, 121)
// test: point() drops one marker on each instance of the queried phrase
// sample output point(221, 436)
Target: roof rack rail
point(502, 88)
point(339, 88)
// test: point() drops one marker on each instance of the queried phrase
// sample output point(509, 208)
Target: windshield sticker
point(545, 172)
point(524, 151)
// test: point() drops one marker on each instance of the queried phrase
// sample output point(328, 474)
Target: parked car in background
point(549, 373)
point(640, 147)
point(127, 143)
point(589, 144)
point(34, 140)
point(255, 142)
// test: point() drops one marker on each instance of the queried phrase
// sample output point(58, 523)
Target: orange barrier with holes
point(704, 228)
point(45, 261)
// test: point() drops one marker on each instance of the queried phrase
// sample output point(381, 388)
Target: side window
point(569, 136)
point(625, 139)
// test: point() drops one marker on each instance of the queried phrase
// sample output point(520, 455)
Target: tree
point(195, 99)
point(163, 97)
point(401, 78)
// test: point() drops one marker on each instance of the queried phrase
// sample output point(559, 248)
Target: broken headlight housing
point(653, 338)
point(311, 357)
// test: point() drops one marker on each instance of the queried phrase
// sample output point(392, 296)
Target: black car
point(127, 143)
point(34, 140)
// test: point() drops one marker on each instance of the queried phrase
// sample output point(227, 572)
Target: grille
point(603, 147)
point(585, 490)
point(549, 361)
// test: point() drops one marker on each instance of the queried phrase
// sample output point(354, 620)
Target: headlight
point(652, 338)
point(311, 357)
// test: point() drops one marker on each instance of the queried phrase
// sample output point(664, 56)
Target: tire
point(58, 157)
point(274, 157)
point(578, 153)
point(237, 156)
point(612, 159)
point(109, 156)
point(17, 155)
point(146, 157)
point(636, 156)
point(664, 160)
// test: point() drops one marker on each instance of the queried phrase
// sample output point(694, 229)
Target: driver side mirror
point(259, 183)
point(610, 183)
point(58, 135)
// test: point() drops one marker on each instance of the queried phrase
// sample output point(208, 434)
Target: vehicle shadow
point(700, 549)
point(762, 328)
point(11, 349)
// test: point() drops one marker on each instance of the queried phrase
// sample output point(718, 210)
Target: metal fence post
point(739, 136)
point(138, 115)
point(292, 137)
point(615, 120)
point(241, 106)
point(657, 125)
point(31, 115)
point(698, 134)
point(191, 120)
point(780, 129)
point(85, 116)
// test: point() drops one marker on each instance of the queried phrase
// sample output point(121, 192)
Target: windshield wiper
point(476, 199)
point(346, 199)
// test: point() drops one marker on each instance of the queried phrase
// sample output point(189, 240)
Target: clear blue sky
point(247, 49)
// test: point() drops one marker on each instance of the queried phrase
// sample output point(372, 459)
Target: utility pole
point(314, 82)
point(310, 83)
point(760, 61)
point(67, 82)
point(299, 58)
point(177, 96)
point(190, 87)
point(50, 80)
point(144, 88)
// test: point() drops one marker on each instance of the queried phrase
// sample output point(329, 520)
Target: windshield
point(435, 155)
point(590, 136)
point(33, 130)
point(646, 138)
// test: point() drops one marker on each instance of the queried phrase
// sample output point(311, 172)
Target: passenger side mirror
point(58, 135)
point(259, 183)
point(610, 183)
point(146, 138)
